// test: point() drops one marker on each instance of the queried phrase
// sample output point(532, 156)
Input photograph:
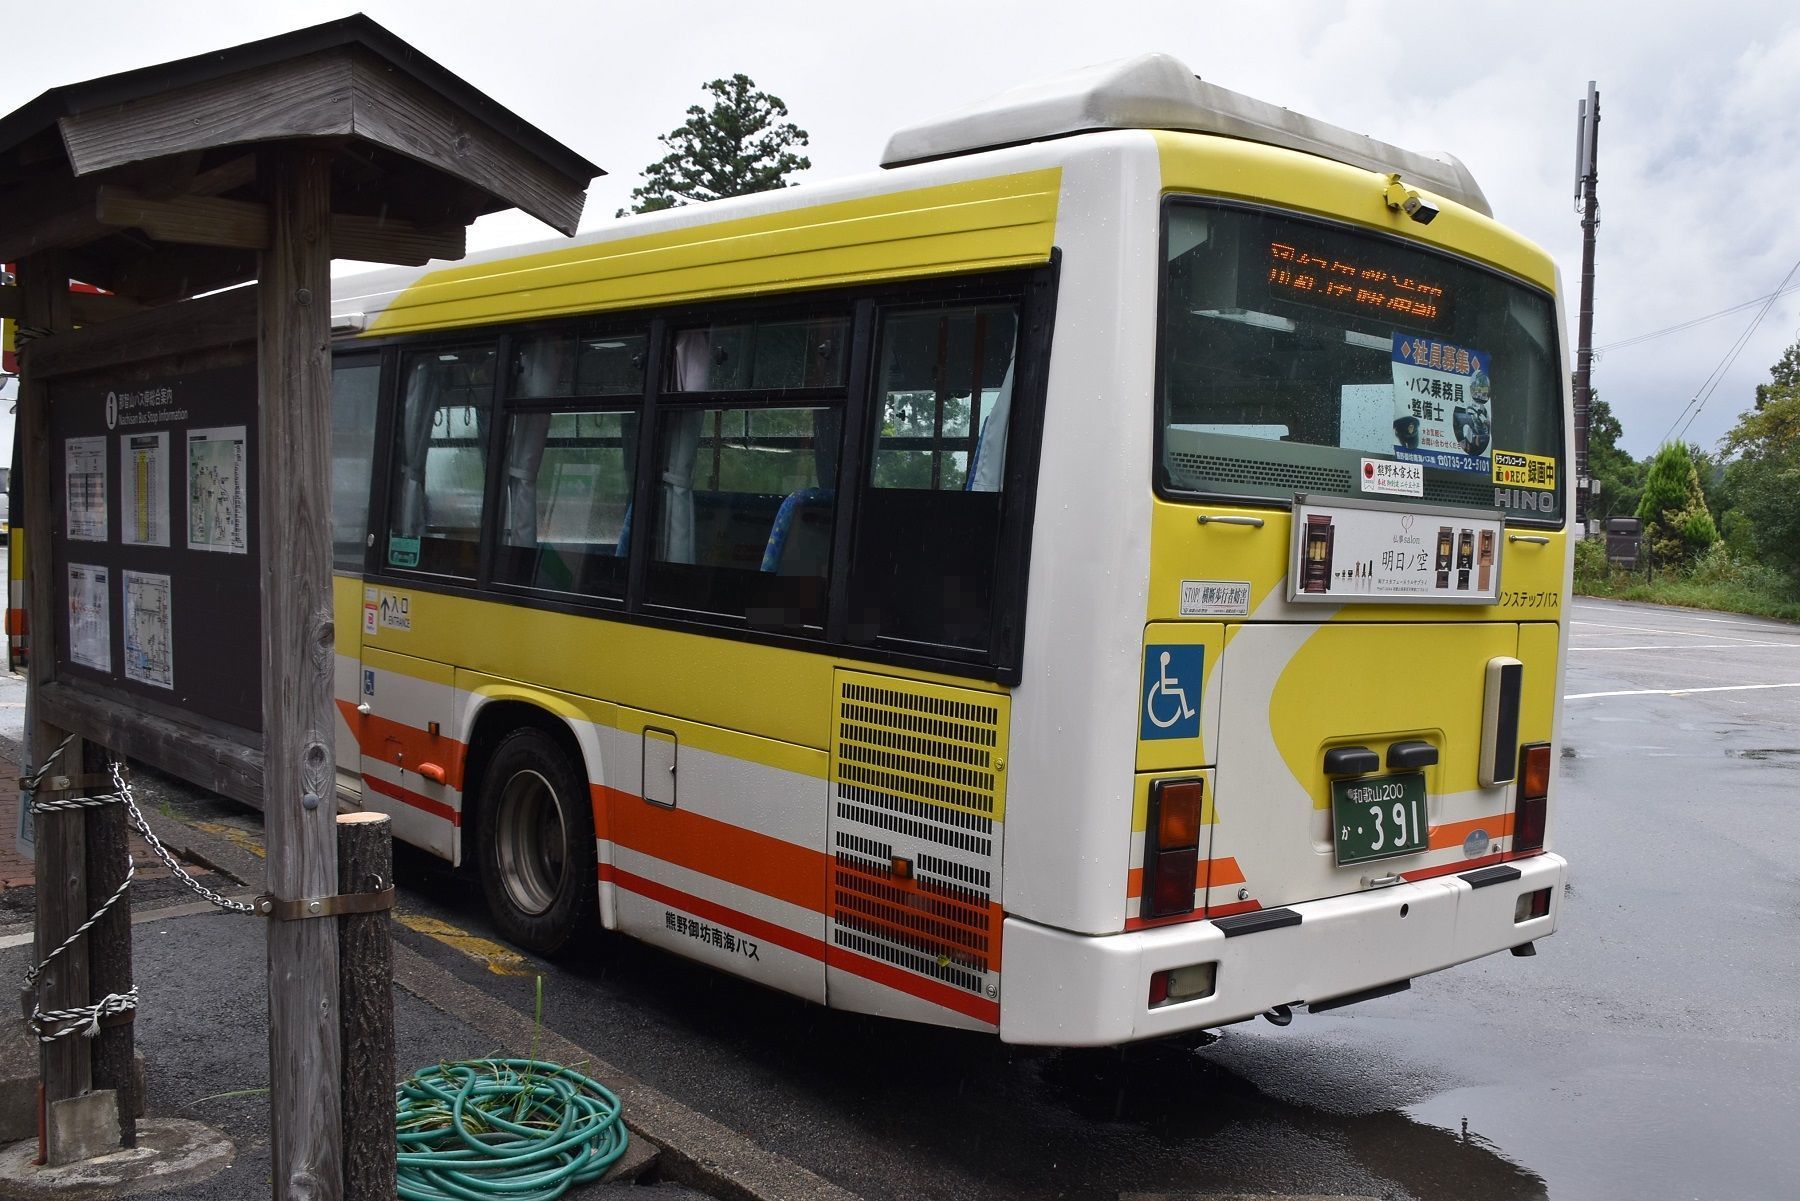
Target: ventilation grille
point(917, 775)
point(924, 924)
point(1211, 473)
point(912, 751)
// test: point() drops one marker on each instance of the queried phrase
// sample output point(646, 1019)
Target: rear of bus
point(1348, 653)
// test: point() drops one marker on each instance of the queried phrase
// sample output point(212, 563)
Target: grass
point(1715, 581)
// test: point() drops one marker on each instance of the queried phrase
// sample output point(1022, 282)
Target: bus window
point(745, 513)
point(355, 389)
point(575, 363)
point(929, 527)
point(763, 355)
point(567, 491)
point(434, 510)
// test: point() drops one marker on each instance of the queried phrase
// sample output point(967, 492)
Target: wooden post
point(366, 1002)
point(109, 948)
point(62, 893)
point(299, 780)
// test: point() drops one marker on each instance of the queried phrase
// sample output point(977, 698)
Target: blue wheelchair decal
point(1172, 675)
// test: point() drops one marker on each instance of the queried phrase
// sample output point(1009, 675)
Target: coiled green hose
point(515, 1128)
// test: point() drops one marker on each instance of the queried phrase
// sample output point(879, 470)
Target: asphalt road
point(1646, 1051)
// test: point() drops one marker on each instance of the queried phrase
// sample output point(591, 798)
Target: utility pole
point(1587, 176)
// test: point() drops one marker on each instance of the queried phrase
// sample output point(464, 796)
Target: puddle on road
point(1211, 1119)
point(1780, 754)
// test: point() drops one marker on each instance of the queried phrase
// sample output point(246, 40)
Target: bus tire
point(536, 843)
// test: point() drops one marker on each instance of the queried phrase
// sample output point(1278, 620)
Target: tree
point(1621, 476)
point(742, 144)
point(1677, 525)
point(1763, 477)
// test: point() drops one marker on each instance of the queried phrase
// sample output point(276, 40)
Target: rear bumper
point(1069, 989)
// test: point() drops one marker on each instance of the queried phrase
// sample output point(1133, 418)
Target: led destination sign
point(1355, 283)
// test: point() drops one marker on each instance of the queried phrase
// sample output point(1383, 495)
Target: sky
point(1699, 138)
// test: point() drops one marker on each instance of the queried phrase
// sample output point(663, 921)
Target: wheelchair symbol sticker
point(1172, 676)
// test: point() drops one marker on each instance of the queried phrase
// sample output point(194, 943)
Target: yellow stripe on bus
point(975, 225)
point(1200, 164)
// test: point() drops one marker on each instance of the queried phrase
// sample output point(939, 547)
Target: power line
point(1706, 389)
point(1692, 322)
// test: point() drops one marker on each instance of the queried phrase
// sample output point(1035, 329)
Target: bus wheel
point(536, 834)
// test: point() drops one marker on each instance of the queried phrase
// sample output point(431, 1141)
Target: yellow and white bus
point(1100, 576)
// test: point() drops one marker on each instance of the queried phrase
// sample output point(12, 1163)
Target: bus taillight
point(1533, 811)
point(1172, 846)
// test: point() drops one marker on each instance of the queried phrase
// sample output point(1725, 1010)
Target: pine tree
point(742, 144)
point(1677, 525)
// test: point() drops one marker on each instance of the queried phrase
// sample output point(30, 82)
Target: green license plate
point(1379, 817)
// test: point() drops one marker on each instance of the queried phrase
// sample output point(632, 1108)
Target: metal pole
point(1584, 330)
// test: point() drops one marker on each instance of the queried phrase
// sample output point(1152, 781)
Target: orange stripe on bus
point(1452, 834)
point(938, 994)
point(1212, 873)
point(407, 796)
point(756, 927)
point(759, 862)
point(381, 737)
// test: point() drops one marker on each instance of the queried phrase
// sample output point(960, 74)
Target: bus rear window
point(1291, 350)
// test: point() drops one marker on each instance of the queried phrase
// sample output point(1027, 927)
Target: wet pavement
point(1646, 1051)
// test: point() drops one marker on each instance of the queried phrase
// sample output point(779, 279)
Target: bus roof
point(1156, 91)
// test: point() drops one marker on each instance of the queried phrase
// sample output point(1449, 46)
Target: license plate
point(1379, 817)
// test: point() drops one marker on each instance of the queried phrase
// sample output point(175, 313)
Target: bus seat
point(785, 519)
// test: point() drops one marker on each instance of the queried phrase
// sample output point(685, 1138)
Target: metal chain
point(85, 1019)
point(156, 847)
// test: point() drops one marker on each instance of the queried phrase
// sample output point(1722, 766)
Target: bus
point(1101, 575)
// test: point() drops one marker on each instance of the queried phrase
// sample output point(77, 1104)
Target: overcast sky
point(1699, 147)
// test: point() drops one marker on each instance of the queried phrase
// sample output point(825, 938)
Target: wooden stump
point(366, 1009)
point(109, 947)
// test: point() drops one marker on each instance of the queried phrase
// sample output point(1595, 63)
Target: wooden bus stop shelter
point(163, 186)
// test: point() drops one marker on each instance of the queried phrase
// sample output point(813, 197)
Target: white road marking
point(1767, 627)
point(1582, 696)
point(1660, 630)
point(1693, 646)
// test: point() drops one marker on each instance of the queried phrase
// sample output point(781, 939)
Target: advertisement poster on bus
point(1443, 396)
point(1373, 551)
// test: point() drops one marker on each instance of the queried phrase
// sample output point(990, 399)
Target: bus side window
point(569, 461)
point(928, 528)
point(746, 499)
point(355, 390)
point(565, 499)
point(440, 441)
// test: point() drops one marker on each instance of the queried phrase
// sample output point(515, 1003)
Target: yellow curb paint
point(243, 840)
point(502, 961)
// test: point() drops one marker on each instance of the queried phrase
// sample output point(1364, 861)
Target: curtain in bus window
point(693, 362)
point(990, 451)
point(415, 442)
point(524, 455)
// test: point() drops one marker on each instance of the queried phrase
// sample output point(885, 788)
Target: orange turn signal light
point(1178, 804)
point(1534, 774)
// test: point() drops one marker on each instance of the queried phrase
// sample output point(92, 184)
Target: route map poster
point(175, 449)
point(149, 630)
point(90, 616)
point(217, 506)
point(144, 489)
point(84, 462)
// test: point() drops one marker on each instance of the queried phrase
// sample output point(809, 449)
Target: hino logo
point(1524, 500)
